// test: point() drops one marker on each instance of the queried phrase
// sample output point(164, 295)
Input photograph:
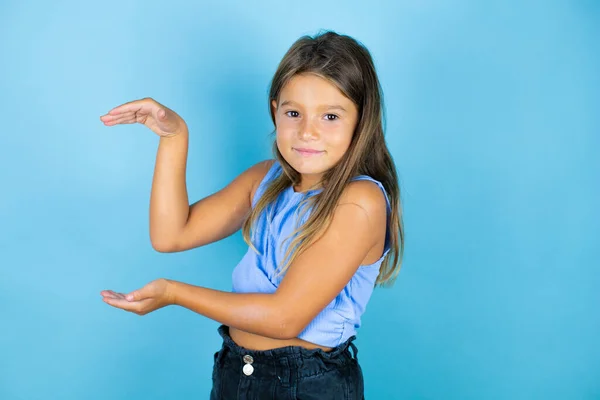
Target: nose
point(308, 131)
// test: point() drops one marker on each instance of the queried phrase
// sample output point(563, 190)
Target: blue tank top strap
point(270, 175)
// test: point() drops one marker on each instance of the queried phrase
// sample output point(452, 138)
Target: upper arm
point(321, 272)
point(221, 214)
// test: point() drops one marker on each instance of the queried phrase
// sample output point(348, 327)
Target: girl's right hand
point(160, 119)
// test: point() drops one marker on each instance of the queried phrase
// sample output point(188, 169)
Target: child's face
point(315, 123)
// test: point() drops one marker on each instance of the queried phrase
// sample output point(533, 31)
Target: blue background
point(494, 124)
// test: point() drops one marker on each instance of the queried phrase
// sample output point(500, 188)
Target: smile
point(308, 152)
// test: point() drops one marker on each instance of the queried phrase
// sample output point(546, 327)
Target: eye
point(292, 114)
point(331, 117)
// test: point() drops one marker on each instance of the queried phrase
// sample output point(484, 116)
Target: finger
point(110, 117)
point(137, 295)
point(110, 293)
point(118, 295)
point(122, 304)
point(124, 120)
point(139, 307)
point(132, 106)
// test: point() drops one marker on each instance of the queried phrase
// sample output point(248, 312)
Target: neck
point(308, 182)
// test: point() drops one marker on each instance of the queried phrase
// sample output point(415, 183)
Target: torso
point(257, 342)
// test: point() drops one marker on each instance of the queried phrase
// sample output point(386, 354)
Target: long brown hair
point(348, 65)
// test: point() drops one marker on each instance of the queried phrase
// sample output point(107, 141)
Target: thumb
point(136, 295)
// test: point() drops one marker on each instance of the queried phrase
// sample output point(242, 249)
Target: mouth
point(307, 152)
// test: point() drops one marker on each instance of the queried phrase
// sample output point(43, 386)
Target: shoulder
point(366, 195)
point(258, 172)
point(260, 169)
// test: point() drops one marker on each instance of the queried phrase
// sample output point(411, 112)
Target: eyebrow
point(327, 106)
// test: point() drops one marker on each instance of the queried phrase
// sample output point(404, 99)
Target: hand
point(160, 119)
point(155, 295)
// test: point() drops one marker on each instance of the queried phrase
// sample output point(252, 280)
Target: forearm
point(169, 204)
point(256, 313)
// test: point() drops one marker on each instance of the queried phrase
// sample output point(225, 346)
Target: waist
point(252, 341)
point(275, 363)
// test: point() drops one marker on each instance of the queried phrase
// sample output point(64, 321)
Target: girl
point(322, 221)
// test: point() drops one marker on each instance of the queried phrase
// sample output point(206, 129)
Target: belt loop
point(355, 349)
point(220, 355)
point(283, 371)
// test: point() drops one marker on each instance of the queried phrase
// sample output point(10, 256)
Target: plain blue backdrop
point(493, 121)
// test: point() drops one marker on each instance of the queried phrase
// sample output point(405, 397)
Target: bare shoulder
point(261, 168)
point(366, 195)
point(368, 200)
point(258, 172)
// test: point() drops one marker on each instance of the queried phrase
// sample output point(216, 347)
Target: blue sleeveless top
point(257, 273)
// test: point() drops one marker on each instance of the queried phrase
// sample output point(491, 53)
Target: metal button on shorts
point(248, 369)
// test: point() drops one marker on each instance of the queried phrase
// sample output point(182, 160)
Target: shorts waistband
point(286, 351)
point(284, 363)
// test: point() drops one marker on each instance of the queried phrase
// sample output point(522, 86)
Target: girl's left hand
point(155, 295)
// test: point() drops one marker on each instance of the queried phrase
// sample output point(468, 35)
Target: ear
point(274, 110)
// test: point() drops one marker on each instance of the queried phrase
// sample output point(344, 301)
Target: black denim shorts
point(287, 373)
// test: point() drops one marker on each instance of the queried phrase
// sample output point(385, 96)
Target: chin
point(307, 166)
point(306, 170)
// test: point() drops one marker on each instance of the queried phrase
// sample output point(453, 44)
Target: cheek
point(284, 139)
point(283, 134)
point(284, 127)
point(340, 138)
